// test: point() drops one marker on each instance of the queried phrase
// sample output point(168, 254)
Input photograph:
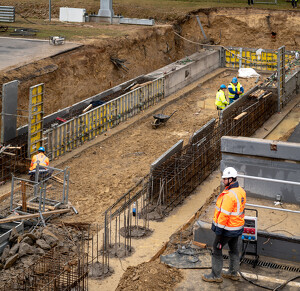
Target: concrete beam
point(268, 244)
point(9, 111)
point(170, 152)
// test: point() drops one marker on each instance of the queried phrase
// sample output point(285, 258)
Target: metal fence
point(7, 14)
point(87, 126)
point(28, 197)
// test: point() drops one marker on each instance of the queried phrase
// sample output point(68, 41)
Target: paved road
point(17, 52)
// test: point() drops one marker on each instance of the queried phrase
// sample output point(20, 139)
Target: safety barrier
point(264, 60)
point(7, 14)
point(87, 126)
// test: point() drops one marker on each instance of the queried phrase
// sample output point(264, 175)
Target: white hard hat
point(229, 173)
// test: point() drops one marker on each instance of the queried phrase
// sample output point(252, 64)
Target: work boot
point(215, 275)
point(211, 278)
point(230, 275)
point(234, 265)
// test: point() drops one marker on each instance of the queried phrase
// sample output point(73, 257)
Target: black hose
point(256, 284)
point(285, 283)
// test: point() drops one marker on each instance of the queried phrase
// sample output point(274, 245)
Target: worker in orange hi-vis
point(228, 225)
point(43, 161)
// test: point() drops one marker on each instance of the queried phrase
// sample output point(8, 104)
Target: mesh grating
point(265, 264)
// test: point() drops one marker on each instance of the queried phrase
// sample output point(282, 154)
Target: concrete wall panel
point(201, 64)
point(268, 244)
point(258, 158)
point(9, 111)
point(164, 157)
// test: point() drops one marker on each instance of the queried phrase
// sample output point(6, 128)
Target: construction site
point(122, 102)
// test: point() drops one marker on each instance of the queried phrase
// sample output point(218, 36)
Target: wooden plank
point(267, 95)
point(240, 116)
point(198, 244)
point(159, 253)
point(29, 216)
point(33, 205)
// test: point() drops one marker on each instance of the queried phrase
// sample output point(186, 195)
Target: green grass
point(70, 30)
point(160, 10)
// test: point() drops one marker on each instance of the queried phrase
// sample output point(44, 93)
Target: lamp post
point(49, 10)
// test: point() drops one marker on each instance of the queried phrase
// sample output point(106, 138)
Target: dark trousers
point(221, 241)
point(217, 256)
point(250, 2)
point(294, 3)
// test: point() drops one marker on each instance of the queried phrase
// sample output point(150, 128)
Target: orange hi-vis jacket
point(44, 161)
point(229, 212)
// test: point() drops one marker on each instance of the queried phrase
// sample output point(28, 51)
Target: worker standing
point(235, 90)
point(294, 3)
point(221, 101)
point(228, 225)
point(42, 160)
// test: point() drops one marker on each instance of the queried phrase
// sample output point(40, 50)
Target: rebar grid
point(13, 160)
point(54, 271)
point(126, 217)
point(176, 178)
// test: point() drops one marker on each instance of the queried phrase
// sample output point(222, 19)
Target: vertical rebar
point(116, 237)
point(97, 245)
point(12, 192)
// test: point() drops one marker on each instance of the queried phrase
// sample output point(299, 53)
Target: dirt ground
point(138, 278)
point(102, 173)
point(77, 75)
point(109, 169)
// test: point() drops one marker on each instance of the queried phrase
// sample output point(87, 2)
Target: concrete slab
point(16, 52)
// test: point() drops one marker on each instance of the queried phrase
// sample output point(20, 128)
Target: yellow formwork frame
point(87, 126)
point(35, 119)
point(266, 62)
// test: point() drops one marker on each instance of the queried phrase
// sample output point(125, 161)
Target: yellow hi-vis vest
point(238, 88)
point(221, 101)
point(44, 161)
point(229, 212)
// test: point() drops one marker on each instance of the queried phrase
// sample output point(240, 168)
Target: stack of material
point(258, 93)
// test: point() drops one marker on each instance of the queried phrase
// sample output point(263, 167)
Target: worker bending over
point(235, 90)
point(221, 101)
point(228, 225)
point(43, 163)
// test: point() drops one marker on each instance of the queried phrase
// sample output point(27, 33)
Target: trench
point(86, 71)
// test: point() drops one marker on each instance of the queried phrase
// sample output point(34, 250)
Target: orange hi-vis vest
point(229, 212)
point(44, 161)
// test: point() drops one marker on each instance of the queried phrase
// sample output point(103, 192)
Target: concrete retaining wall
point(268, 244)
point(196, 66)
point(264, 158)
point(83, 104)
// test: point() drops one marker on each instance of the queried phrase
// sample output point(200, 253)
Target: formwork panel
point(35, 119)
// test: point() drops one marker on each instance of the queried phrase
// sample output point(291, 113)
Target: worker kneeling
point(228, 225)
point(43, 162)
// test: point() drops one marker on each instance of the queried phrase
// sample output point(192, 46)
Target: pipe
point(269, 179)
point(273, 208)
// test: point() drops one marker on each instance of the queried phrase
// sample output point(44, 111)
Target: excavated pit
point(74, 76)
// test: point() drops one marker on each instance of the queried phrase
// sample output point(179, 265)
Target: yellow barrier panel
point(267, 61)
point(35, 119)
point(87, 126)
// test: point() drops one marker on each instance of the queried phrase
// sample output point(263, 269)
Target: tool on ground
point(160, 119)
point(57, 40)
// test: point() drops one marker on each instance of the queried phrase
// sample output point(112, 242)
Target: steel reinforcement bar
point(177, 177)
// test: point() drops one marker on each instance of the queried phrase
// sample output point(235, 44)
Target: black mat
point(188, 258)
